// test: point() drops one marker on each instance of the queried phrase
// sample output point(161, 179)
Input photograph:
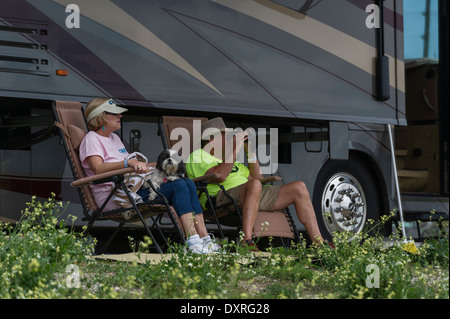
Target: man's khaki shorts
point(269, 195)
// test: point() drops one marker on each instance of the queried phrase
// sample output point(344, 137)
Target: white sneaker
point(210, 246)
point(195, 244)
point(196, 248)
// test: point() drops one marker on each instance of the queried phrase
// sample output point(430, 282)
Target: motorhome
point(329, 77)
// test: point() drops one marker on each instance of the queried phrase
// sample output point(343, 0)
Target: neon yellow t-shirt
point(200, 162)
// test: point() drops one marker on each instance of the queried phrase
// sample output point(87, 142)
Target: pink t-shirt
point(110, 149)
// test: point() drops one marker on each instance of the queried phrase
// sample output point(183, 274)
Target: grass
point(42, 258)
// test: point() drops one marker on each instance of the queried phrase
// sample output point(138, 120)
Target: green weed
point(35, 253)
point(41, 257)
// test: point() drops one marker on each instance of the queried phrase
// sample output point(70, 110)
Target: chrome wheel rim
point(344, 206)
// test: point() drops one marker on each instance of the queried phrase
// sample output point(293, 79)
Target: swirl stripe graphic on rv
point(113, 17)
point(315, 32)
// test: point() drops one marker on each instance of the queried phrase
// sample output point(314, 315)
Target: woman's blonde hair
point(100, 120)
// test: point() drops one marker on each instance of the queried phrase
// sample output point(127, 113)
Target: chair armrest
point(101, 178)
point(213, 178)
point(207, 178)
point(270, 179)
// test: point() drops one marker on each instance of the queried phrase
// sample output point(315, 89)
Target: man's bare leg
point(296, 193)
point(250, 194)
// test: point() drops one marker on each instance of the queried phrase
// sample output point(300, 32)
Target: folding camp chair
point(70, 120)
point(268, 224)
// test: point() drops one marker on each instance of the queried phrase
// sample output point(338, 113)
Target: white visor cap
point(108, 106)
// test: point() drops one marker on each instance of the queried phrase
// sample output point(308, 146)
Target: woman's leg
point(178, 195)
point(189, 224)
point(200, 226)
point(210, 245)
point(193, 195)
point(198, 217)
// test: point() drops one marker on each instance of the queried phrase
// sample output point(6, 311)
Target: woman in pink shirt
point(102, 150)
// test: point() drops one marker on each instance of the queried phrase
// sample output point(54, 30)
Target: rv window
point(421, 29)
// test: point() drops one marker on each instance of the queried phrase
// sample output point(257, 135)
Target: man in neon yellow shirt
point(243, 183)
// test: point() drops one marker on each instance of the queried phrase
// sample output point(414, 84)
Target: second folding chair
point(278, 224)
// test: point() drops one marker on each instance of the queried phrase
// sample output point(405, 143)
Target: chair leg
point(238, 211)
point(158, 248)
point(219, 227)
point(90, 224)
point(171, 214)
point(291, 221)
point(174, 222)
point(144, 223)
point(155, 224)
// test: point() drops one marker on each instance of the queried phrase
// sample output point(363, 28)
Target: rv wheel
point(345, 197)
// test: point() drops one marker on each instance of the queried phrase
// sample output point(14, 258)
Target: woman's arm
point(98, 166)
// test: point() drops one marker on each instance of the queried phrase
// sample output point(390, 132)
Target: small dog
point(169, 167)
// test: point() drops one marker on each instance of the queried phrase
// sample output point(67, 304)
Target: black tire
point(345, 197)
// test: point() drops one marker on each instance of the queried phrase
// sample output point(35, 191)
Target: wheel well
point(376, 172)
